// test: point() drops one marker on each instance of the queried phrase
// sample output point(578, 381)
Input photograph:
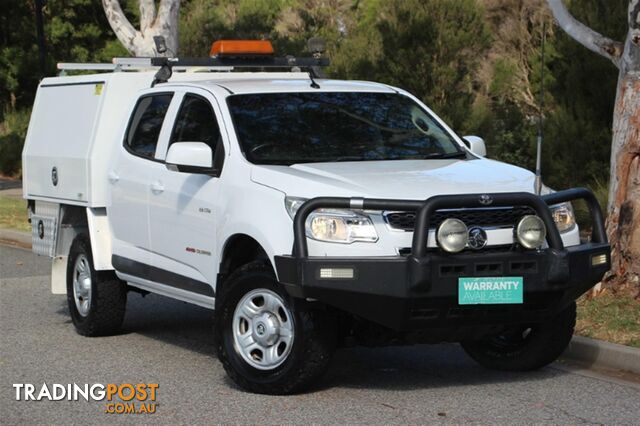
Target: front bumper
point(420, 291)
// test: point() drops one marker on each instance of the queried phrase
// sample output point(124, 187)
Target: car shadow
point(399, 368)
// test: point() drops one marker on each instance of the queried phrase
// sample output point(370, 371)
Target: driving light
point(452, 235)
point(340, 226)
point(531, 232)
point(563, 216)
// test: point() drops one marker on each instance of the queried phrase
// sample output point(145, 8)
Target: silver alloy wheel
point(263, 329)
point(82, 285)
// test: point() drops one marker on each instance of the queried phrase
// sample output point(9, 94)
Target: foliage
point(12, 133)
point(430, 48)
point(475, 62)
point(75, 31)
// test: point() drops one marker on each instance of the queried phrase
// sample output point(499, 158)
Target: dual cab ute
point(309, 213)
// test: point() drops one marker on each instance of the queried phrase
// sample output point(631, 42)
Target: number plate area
point(490, 290)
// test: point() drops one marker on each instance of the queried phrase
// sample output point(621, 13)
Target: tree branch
point(167, 22)
point(147, 14)
point(584, 35)
point(120, 24)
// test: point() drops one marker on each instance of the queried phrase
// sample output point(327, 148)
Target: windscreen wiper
point(442, 156)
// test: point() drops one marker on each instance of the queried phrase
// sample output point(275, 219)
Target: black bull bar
point(408, 281)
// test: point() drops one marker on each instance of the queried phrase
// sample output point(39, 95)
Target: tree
point(160, 22)
point(623, 219)
point(432, 48)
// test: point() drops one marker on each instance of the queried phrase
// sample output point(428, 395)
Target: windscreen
point(291, 128)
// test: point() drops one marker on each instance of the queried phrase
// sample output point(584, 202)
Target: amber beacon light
point(241, 48)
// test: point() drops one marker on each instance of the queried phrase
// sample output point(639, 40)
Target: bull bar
point(419, 291)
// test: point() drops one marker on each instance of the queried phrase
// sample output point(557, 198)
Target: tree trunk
point(164, 23)
point(623, 221)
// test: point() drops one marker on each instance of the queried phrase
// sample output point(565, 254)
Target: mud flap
point(59, 275)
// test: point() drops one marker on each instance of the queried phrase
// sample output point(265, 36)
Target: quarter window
point(146, 123)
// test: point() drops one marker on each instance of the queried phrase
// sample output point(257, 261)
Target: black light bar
point(243, 62)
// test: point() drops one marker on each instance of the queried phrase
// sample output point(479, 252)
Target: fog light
point(599, 259)
point(336, 273)
point(531, 232)
point(452, 235)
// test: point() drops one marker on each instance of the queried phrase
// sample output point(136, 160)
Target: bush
point(13, 131)
point(10, 153)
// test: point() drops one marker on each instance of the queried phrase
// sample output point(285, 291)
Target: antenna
point(538, 181)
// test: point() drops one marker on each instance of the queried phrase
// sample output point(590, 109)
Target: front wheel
point(267, 342)
point(525, 347)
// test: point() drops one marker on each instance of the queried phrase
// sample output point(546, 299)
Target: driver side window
point(196, 122)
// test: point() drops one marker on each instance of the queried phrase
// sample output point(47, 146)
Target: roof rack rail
point(243, 62)
point(167, 65)
point(219, 64)
point(130, 64)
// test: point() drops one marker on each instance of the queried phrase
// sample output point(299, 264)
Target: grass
point(611, 317)
point(13, 213)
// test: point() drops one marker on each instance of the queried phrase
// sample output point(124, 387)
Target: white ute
point(309, 213)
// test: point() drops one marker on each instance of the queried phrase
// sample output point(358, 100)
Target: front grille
point(491, 217)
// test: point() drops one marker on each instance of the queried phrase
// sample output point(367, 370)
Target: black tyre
point(525, 348)
point(267, 342)
point(97, 300)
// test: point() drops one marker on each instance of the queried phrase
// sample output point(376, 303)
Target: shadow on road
point(400, 368)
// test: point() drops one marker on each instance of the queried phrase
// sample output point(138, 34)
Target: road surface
point(169, 343)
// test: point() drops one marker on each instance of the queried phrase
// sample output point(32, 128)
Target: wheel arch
point(240, 249)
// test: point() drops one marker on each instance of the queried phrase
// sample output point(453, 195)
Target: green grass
point(611, 317)
point(13, 214)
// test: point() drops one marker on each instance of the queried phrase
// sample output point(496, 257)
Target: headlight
point(334, 225)
point(452, 235)
point(292, 204)
point(531, 232)
point(340, 226)
point(563, 216)
point(562, 213)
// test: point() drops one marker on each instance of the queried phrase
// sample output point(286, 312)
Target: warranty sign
point(490, 290)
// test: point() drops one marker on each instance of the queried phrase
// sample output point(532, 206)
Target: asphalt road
point(169, 343)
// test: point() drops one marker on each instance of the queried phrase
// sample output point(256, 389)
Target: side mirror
point(476, 145)
point(190, 157)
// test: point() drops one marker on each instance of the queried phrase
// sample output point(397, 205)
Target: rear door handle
point(113, 177)
point(157, 187)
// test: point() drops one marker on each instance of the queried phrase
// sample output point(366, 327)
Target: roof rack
point(243, 62)
point(195, 64)
point(312, 65)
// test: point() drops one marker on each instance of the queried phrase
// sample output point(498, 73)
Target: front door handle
point(157, 187)
point(113, 177)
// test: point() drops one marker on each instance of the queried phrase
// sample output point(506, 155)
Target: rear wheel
point(525, 347)
point(97, 300)
point(267, 342)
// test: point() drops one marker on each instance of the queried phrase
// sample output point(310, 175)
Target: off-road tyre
point(108, 295)
point(312, 348)
point(542, 345)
